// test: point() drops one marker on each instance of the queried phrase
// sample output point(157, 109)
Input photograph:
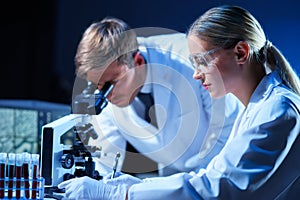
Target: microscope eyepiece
point(91, 102)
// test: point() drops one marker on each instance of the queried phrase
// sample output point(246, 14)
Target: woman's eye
point(201, 61)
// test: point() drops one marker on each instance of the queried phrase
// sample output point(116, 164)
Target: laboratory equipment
point(17, 181)
point(64, 154)
point(115, 164)
point(65, 150)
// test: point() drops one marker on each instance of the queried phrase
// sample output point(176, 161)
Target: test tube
point(3, 157)
point(18, 170)
point(35, 174)
point(26, 163)
point(11, 170)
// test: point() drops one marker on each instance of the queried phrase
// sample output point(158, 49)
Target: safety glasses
point(202, 59)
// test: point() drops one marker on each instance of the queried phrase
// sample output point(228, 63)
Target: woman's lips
point(205, 86)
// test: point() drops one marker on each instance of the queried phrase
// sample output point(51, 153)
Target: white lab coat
point(259, 161)
point(187, 136)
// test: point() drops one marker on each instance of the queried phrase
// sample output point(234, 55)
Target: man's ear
point(138, 59)
point(242, 51)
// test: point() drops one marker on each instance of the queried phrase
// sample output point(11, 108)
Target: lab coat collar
point(147, 87)
point(264, 88)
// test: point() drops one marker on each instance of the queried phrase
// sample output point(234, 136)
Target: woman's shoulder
point(282, 99)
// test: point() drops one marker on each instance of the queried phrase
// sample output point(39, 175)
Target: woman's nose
point(198, 75)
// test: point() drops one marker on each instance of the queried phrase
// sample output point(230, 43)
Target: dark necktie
point(148, 101)
point(138, 162)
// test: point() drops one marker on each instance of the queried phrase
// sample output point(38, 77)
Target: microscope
point(65, 149)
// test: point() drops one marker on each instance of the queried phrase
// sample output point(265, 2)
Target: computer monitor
point(21, 123)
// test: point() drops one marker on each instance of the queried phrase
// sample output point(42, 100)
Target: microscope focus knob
point(67, 161)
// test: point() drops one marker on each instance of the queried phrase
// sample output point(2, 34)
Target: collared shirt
point(147, 88)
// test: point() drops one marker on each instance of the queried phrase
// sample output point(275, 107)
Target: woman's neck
point(248, 82)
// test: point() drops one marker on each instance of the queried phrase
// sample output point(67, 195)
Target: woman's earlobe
point(242, 51)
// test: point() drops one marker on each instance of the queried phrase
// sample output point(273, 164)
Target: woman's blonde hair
point(226, 25)
point(103, 42)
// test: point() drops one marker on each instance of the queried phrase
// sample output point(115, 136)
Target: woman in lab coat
point(231, 54)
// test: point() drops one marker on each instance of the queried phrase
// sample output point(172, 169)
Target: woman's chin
point(216, 95)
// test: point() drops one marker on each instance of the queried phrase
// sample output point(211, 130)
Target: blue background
point(39, 40)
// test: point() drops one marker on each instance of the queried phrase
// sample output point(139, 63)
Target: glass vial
point(3, 159)
point(18, 173)
point(25, 169)
point(35, 174)
point(11, 173)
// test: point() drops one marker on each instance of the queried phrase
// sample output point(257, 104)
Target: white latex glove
point(87, 188)
point(121, 178)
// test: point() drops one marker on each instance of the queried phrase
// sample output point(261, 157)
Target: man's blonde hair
point(104, 42)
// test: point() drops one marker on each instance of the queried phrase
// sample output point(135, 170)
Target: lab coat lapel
point(129, 122)
point(162, 88)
